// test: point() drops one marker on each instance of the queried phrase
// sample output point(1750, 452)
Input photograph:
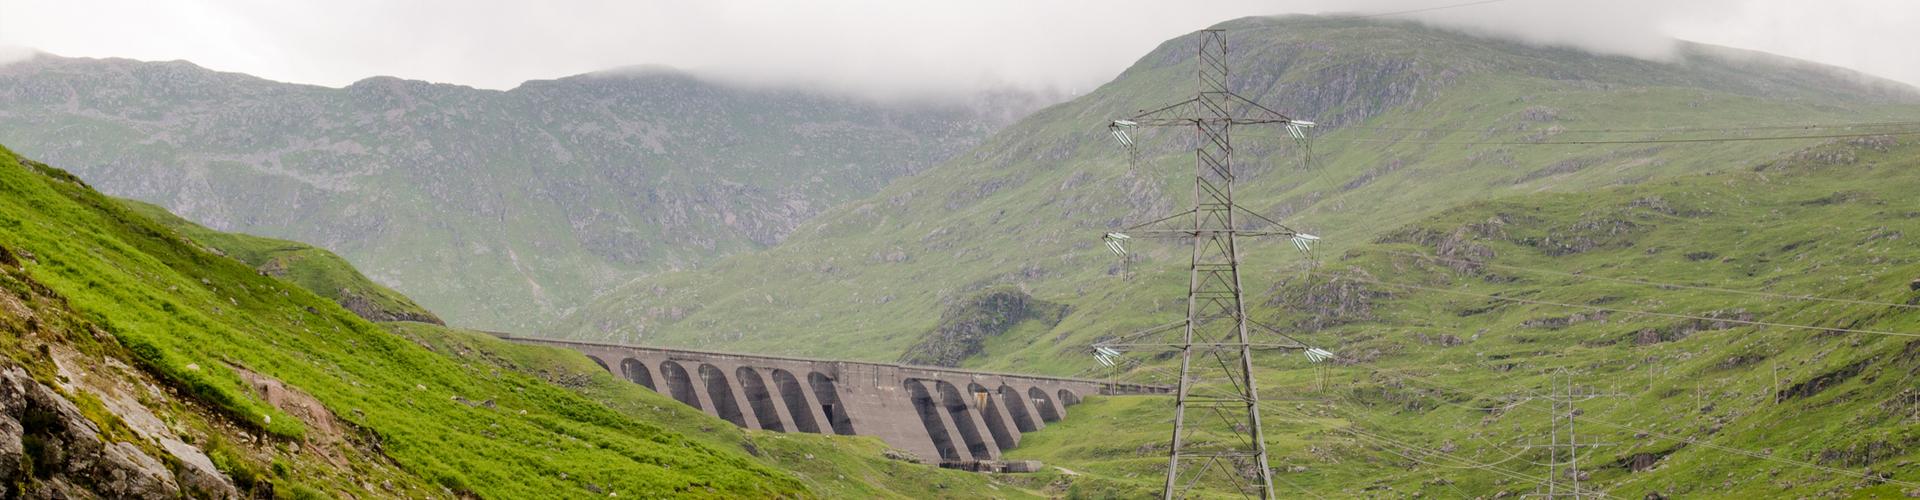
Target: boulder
point(74, 460)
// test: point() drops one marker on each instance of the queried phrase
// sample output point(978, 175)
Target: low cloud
point(882, 48)
point(10, 55)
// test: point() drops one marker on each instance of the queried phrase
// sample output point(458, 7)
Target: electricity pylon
point(1565, 396)
point(1216, 352)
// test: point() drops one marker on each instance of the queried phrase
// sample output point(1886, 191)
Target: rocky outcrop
point(1646, 460)
point(1594, 231)
point(50, 449)
point(1822, 382)
point(1709, 321)
point(1328, 301)
point(367, 308)
point(1459, 249)
point(965, 326)
point(1559, 322)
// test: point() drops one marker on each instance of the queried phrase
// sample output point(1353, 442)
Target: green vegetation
point(865, 279)
point(1437, 145)
point(1428, 132)
point(313, 269)
point(196, 319)
point(1451, 367)
point(499, 210)
point(478, 416)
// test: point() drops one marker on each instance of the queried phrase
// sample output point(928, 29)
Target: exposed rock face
point(50, 449)
point(1821, 382)
point(1557, 323)
point(1646, 460)
point(1720, 320)
point(1458, 249)
point(372, 311)
point(1332, 300)
point(1594, 231)
point(965, 327)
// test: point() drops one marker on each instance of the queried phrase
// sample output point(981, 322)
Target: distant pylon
point(1564, 436)
point(1225, 444)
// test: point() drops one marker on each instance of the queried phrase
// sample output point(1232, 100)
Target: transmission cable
point(1688, 440)
point(1631, 311)
point(1656, 284)
point(1817, 126)
point(1606, 142)
point(1379, 439)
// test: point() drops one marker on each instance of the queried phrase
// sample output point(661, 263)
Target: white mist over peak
point(13, 54)
point(878, 48)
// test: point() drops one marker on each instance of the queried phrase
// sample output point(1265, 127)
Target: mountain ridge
point(531, 199)
point(1025, 206)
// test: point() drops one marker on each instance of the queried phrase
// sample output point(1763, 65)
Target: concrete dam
point(939, 414)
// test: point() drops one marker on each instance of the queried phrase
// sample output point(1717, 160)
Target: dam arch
point(829, 398)
point(680, 384)
point(931, 412)
point(795, 398)
point(1017, 409)
point(637, 372)
point(720, 391)
point(759, 398)
point(1044, 403)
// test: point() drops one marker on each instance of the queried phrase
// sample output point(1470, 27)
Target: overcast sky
point(877, 47)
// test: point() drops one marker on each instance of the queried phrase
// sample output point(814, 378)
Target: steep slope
point(1663, 304)
point(140, 364)
point(314, 269)
point(1416, 120)
point(497, 209)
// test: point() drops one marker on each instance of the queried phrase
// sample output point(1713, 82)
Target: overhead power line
point(1688, 440)
point(1431, 454)
point(1631, 311)
point(1811, 126)
point(1610, 141)
point(1642, 282)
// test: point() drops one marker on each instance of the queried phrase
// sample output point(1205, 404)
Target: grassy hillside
point(497, 209)
point(1417, 121)
point(194, 357)
point(314, 269)
point(1453, 329)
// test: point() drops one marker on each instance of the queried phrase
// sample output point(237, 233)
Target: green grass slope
point(1397, 100)
point(197, 320)
point(314, 269)
point(410, 409)
point(1445, 363)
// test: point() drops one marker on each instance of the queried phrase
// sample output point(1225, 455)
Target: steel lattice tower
point(1217, 434)
point(1565, 397)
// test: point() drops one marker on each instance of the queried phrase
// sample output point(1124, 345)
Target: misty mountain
point(1497, 218)
point(1412, 123)
point(497, 209)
